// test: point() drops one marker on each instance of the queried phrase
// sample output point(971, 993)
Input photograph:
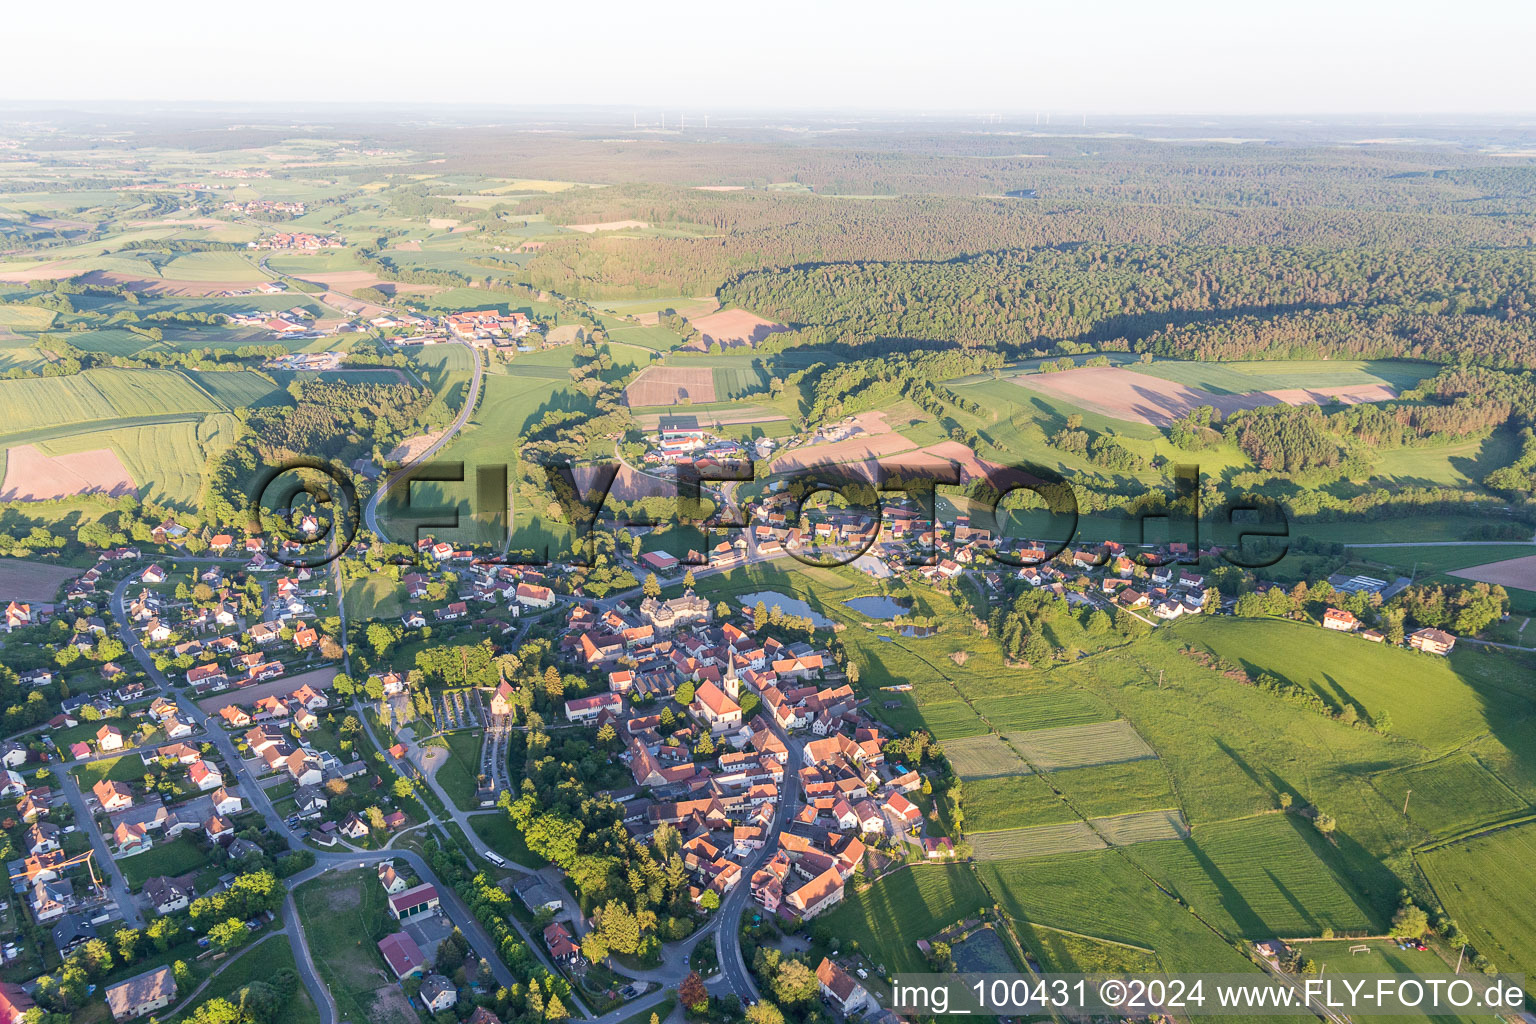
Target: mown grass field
point(457, 775)
point(1122, 788)
point(1487, 885)
point(1449, 795)
point(1043, 709)
point(1102, 894)
point(1013, 801)
point(118, 769)
point(1076, 746)
point(983, 757)
point(1076, 836)
point(1384, 958)
point(1259, 877)
point(1036, 841)
point(498, 832)
point(890, 916)
point(375, 597)
point(1436, 702)
point(1141, 827)
point(176, 857)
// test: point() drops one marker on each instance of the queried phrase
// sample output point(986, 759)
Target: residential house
point(41, 837)
point(142, 994)
point(226, 803)
point(108, 738)
point(840, 989)
point(818, 895)
point(438, 993)
point(51, 898)
point(1432, 641)
point(113, 795)
point(131, 838)
point(205, 776)
point(166, 895)
point(1343, 621)
point(14, 1003)
point(392, 881)
point(558, 940)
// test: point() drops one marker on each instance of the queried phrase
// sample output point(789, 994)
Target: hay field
point(1260, 877)
point(1142, 827)
point(1076, 746)
point(212, 266)
point(26, 318)
point(983, 757)
point(1036, 841)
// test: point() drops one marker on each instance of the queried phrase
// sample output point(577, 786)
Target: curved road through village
point(370, 513)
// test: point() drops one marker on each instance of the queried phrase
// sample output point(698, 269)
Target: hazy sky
point(1338, 56)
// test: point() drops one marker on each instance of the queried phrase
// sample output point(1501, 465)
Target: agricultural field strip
point(1078, 746)
point(1079, 836)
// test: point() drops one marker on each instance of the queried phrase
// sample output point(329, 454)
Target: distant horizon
point(1066, 117)
point(1195, 56)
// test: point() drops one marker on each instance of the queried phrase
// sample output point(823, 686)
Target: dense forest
point(1440, 303)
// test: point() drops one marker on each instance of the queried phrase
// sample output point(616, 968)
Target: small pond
point(878, 607)
point(788, 605)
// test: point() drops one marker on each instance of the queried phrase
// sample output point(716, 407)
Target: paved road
point(1446, 544)
point(370, 513)
point(535, 943)
point(324, 861)
point(105, 865)
point(733, 966)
